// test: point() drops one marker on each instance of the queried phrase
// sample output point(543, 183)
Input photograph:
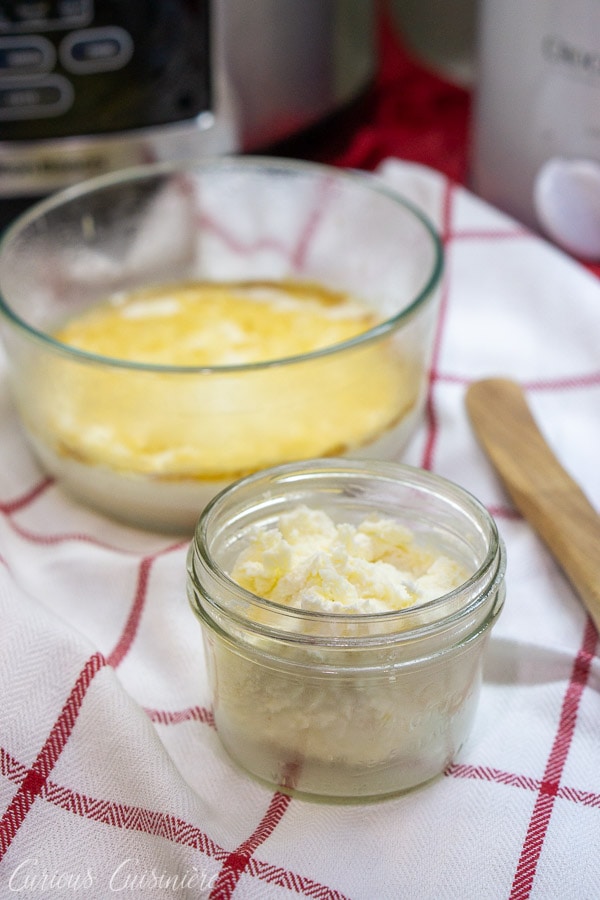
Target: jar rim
point(441, 612)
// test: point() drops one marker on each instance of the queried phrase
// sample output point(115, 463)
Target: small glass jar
point(346, 706)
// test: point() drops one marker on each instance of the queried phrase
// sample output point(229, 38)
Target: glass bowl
point(345, 705)
point(150, 442)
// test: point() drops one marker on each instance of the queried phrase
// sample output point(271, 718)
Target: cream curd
point(221, 423)
point(310, 562)
point(217, 324)
point(228, 407)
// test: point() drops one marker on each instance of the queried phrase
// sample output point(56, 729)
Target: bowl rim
point(228, 161)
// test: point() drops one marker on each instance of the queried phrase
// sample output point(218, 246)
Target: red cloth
point(409, 112)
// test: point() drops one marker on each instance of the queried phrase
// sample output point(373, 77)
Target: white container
point(536, 143)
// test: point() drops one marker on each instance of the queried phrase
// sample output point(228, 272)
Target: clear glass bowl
point(339, 706)
point(150, 444)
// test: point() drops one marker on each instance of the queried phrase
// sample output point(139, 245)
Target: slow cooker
point(89, 86)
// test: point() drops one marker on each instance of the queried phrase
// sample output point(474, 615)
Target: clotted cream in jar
point(345, 608)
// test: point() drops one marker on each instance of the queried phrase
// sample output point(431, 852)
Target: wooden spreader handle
point(541, 489)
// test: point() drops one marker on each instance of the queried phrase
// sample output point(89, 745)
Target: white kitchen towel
point(113, 780)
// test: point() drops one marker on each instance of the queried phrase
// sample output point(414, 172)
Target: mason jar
point(336, 705)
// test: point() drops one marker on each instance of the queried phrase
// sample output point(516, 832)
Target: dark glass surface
point(167, 77)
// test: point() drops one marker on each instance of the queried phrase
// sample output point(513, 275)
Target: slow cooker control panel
point(72, 67)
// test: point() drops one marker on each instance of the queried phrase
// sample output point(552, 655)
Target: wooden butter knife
point(542, 490)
